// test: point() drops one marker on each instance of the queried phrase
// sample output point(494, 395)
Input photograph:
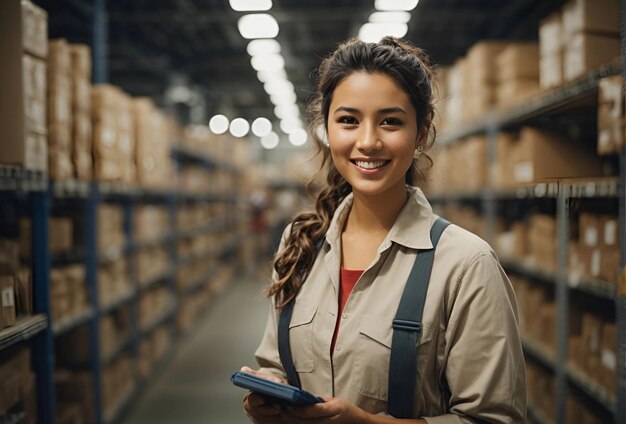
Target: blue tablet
point(281, 393)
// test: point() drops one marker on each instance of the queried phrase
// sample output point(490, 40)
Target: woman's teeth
point(370, 165)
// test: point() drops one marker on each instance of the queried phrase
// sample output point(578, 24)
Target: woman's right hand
point(257, 406)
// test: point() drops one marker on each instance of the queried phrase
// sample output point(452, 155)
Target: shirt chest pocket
point(301, 337)
point(372, 353)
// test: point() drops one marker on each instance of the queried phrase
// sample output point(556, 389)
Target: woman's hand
point(257, 406)
point(333, 410)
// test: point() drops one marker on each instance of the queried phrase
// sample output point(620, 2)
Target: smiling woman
point(373, 273)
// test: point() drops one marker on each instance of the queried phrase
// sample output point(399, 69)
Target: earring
point(418, 152)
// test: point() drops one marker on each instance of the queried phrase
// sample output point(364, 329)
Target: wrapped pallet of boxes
point(540, 155)
point(24, 31)
point(107, 164)
point(611, 115)
point(479, 84)
point(551, 51)
point(591, 33)
point(81, 110)
point(59, 110)
point(517, 73)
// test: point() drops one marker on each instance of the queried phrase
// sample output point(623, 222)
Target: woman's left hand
point(333, 410)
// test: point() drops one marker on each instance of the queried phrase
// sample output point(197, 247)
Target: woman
point(347, 263)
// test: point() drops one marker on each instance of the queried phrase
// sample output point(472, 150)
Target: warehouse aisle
point(195, 387)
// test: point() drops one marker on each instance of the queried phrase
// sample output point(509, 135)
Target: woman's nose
point(369, 139)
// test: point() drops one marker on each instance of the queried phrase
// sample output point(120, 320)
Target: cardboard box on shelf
point(60, 164)
point(584, 52)
point(35, 83)
point(540, 155)
point(591, 336)
point(34, 29)
point(24, 292)
point(81, 60)
point(474, 153)
point(551, 69)
point(609, 263)
point(7, 301)
point(551, 35)
point(600, 16)
point(547, 314)
point(518, 61)
point(60, 233)
point(611, 115)
point(481, 58)
point(575, 351)
point(608, 357)
point(513, 92)
point(500, 174)
point(59, 95)
point(609, 230)
point(36, 151)
point(76, 387)
point(589, 229)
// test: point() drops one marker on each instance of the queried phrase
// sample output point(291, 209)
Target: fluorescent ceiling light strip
point(392, 5)
point(258, 25)
point(250, 5)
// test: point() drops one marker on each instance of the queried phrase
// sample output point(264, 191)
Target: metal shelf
point(186, 155)
point(159, 319)
point(70, 189)
point(519, 267)
point(543, 104)
point(596, 188)
point(24, 329)
point(73, 321)
point(592, 389)
point(115, 352)
point(14, 178)
point(76, 255)
point(142, 286)
point(540, 353)
point(118, 300)
point(112, 190)
point(598, 288)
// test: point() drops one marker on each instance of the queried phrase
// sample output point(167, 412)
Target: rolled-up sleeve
point(484, 364)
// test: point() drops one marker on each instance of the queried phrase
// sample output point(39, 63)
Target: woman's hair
point(409, 67)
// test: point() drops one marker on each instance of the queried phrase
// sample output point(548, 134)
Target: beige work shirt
point(470, 366)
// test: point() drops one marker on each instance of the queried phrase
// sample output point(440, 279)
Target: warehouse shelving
point(24, 329)
point(66, 324)
point(13, 178)
point(579, 93)
point(118, 300)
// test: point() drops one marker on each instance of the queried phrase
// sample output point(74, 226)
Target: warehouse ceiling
point(153, 44)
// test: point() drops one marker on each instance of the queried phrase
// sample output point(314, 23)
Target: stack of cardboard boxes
point(68, 292)
point(517, 73)
point(60, 110)
point(611, 115)
point(152, 150)
point(542, 244)
point(115, 329)
point(595, 256)
point(110, 231)
point(151, 222)
point(18, 388)
point(113, 280)
point(151, 263)
point(80, 56)
point(152, 304)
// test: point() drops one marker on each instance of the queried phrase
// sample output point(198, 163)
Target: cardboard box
point(500, 170)
point(481, 58)
point(551, 70)
point(585, 52)
point(34, 80)
point(515, 91)
point(610, 230)
point(60, 233)
point(518, 61)
point(24, 292)
point(598, 16)
point(81, 60)
point(589, 231)
point(7, 301)
point(36, 152)
point(474, 164)
point(34, 29)
point(59, 95)
point(609, 263)
point(591, 336)
point(611, 115)
point(540, 155)
point(551, 35)
point(608, 357)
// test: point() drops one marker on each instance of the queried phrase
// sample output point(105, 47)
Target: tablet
point(282, 393)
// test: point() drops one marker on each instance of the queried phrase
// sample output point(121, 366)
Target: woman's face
point(372, 133)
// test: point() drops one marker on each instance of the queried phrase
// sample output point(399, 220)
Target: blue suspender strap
point(284, 350)
point(407, 330)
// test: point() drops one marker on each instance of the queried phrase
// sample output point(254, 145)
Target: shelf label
point(609, 359)
point(8, 298)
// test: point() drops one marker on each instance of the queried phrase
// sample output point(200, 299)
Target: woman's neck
point(375, 213)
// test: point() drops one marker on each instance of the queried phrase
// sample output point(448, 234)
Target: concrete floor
point(195, 387)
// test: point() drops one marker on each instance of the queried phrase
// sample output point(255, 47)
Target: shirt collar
point(411, 229)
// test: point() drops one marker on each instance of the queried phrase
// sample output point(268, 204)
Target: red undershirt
point(347, 281)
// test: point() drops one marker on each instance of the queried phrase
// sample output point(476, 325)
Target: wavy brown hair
point(409, 67)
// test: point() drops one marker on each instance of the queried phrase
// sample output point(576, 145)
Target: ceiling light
point(263, 46)
point(270, 62)
point(284, 111)
point(218, 124)
point(298, 137)
point(239, 127)
point(290, 125)
point(270, 141)
point(372, 33)
point(250, 5)
point(265, 76)
point(395, 4)
point(278, 86)
point(261, 127)
point(258, 25)
point(283, 97)
point(386, 17)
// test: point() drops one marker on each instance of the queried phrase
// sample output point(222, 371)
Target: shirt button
point(344, 316)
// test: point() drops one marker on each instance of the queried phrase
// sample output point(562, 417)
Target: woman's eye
point(391, 121)
point(347, 120)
